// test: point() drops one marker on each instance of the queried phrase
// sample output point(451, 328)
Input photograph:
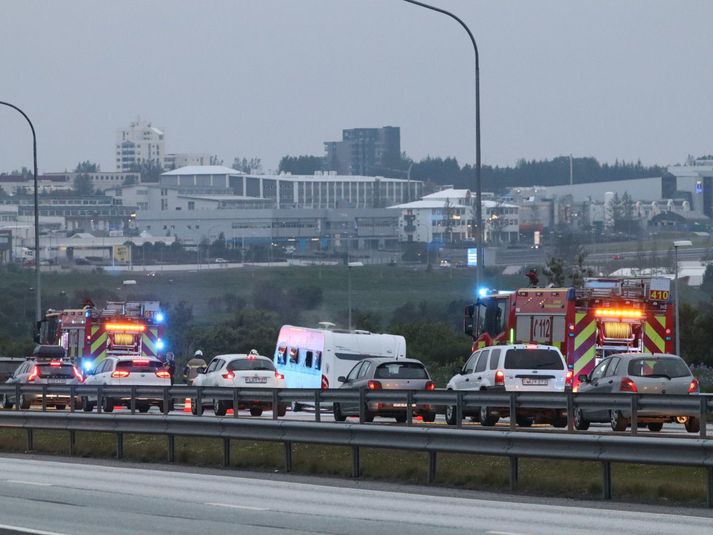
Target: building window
point(191, 205)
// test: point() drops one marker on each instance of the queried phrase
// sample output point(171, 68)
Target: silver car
point(43, 372)
point(644, 373)
point(386, 374)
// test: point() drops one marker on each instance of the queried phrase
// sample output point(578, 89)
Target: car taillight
point(120, 374)
point(374, 385)
point(140, 362)
point(627, 385)
point(163, 374)
point(325, 382)
point(694, 387)
point(77, 374)
point(569, 378)
point(279, 376)
point(228, 375)
point(34, 374)
point(430, 385)
point(55, 363)
point(499, 377)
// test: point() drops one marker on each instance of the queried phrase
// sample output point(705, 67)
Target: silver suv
point(513, 368)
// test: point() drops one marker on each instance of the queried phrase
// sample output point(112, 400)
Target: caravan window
point(317, 360)
point(308, 359)
point(294, 355)
point(281, 353)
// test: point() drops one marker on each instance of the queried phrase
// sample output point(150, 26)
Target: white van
point(315, 358)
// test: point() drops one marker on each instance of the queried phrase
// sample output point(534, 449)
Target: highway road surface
point(40, 496)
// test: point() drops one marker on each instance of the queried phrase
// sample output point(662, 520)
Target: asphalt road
point(83, 498)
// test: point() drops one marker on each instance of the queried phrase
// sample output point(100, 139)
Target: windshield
point(401, 370)
point(250, 364)
point(659, 367)
point(139, 365)
point(533, 359)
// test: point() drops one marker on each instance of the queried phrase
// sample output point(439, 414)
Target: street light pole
point(478, 188)
point(38, 299)
point(676, 245)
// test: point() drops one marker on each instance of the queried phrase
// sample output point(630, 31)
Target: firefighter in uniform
point(192, 366)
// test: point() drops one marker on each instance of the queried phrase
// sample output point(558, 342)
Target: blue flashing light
point(159, 317)
point(86, 365)
point(160, 344)
point(482, 292)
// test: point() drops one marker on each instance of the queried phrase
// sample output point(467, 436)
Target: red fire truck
point(606, 315)
point(90, 334)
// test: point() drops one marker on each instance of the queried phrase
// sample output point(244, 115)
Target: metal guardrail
point(631, 404)
point(604, 449)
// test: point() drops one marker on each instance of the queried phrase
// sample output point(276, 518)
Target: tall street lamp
point(478, 189)
point(38, 300)
point(676, 245)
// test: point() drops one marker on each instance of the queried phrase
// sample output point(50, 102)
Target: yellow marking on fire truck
point(655, 337)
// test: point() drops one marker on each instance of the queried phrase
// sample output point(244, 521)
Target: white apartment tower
point(140, 142)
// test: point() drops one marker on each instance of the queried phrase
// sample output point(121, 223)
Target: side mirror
point(342, 379)
point(583, 378)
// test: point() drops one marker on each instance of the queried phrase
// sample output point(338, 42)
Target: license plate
point(254, 380)
point(534, 382)
point(56, 381)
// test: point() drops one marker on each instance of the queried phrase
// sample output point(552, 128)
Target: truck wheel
point(281, 410)
point(693, 425)
point(429, 417)
point(144, 407)
point(487, 418)
point(524, 421)
point(617, 421)
point(560, 422)
point(87, 406)
point(655, 427)
point(24, 402)
point(6, 403)
point(255, 411)
point(107, 404)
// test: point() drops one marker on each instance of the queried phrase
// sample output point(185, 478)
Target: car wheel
point(401, 418)
point(194, 408)
point(524, 421)
point(144, 407)
point(451, 415)
point(255, 411)
point(580, 422)
point(337, 410)
point(107, 404)
point(429, 417)
point(281, 410)
point(693, 425)
point(6, 403)
point(87, 406)
point(60, 407)
point(560, 422)
point(655, 427)
point(618, 422)
point(487, 418)
point(24, 402)
point(220, 408)
point(296, 407)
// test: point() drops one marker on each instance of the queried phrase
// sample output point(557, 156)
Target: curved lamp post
point(478, 189)
point(38, 300)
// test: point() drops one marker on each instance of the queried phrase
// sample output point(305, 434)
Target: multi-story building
point(140, 143)
point(183, 159)
point(364, 151)
point(49, 182)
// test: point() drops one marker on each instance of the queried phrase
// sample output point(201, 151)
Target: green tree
point(301, 165)
point(83, 181)
point(247, 165)
point(707, 283)
point(555, 271)
point(149, 170)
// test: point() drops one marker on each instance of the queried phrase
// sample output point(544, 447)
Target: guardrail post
point(709, 477)
point(30, 440)
point(171, 443)
point(570, 411)
point(226, 452)
point(236, 402)
point(274, 403)
point(459, 409)
point(17, 397)
point(100, 398)
point(72, 442)
point(356, 463)
point(704, 416)
point(72, 394)
point(165, 401)
point(288, 456)
point(362, 405)
point(514, 471)
point(634, 400)
point(132, 403)
point(317, 406)
point(409, 408)
point(119, 445)
point(199, 401)
point(513, 411)
point(44, 398)
point(432, 456)
point(606, 480)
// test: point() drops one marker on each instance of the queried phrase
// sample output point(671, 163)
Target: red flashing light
point(279, 376)
point(569, 378)
point(430, 386)
point(251, 357)
point(531, 346)
point(694, 387)
point(499, 377)
point(374, 385)
point(120, 374)
point(163, 374)
point(33, 374)
point(228, 375)
point(627, 385)
point(140, 362)
point(55, 363)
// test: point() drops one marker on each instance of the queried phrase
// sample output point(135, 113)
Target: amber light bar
point(126, 327)
point(627, 313)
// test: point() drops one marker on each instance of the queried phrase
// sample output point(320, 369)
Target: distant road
point(81, 498)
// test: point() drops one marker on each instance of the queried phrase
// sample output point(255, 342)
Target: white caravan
point(315, 358)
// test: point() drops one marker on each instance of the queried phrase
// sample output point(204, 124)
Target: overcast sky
point(266, 78)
